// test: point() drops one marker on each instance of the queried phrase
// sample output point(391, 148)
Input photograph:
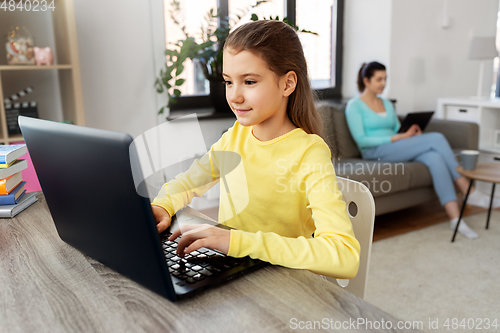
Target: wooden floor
point(403, 221)
point(414, 218)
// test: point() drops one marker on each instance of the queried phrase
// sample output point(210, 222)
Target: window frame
point(204, 101)
point(497, 88)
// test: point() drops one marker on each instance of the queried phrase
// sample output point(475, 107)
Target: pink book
point(29, 174)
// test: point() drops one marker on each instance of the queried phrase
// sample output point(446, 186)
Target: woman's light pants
point(431, 149)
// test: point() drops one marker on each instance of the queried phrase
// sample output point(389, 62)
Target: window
point(323, 52)
point(318, 16)
point(191, 14)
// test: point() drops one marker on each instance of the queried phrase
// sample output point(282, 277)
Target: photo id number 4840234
point(27, 5)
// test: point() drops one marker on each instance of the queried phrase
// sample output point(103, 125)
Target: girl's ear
point(290, 83)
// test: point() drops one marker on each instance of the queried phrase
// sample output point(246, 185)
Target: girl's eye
point(227, 83)
point(250, 82)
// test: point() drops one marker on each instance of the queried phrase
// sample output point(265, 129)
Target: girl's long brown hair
point(279, 45)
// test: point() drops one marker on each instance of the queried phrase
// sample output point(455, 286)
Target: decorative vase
point(218, 96)
point(19, 47)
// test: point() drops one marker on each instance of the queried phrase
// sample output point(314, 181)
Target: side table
point(487, 172)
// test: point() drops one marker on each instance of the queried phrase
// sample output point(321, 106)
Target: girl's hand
point(195, 236)
point(412, 131)
point(162, 217)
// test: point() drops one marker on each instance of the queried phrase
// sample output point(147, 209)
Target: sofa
point(394, 186)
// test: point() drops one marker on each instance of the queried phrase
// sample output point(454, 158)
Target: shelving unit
point(59, 89)
point(485, 112)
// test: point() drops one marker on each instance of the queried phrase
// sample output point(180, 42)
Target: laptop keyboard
point(197, 265)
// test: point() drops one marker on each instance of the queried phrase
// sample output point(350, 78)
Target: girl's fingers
point(183, 229)
point(163, 224)
point(196, 245)
point(174, 235)
point(206, 235)
point(193, 233)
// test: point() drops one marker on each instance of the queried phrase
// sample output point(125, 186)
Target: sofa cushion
point(337, 134)
point(383, 178)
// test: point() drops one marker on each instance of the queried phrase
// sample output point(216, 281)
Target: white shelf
point(490, 149)
point(484, 112)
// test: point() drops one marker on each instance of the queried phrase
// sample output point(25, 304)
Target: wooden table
point(48, 286)
point(486, 172)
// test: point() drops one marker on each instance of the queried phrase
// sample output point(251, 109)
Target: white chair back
point(361, 210)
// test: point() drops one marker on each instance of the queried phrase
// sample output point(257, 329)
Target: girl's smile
point(242, 111)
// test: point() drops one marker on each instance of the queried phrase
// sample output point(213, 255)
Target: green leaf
point(179, 70)
point(254, 17)
point(186, 47)
point(309, 32)
point(161, 110)
point(159, 86)
point(170, 52)
point(177, 92)
point(179, 82)
point(206, 45)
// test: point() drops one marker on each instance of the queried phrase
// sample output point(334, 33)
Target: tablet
point(419, 118)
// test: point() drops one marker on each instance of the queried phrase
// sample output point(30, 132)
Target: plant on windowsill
point(208, 54)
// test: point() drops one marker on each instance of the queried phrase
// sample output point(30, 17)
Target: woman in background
point(374, 126)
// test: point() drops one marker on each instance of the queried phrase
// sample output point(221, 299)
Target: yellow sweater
point(277, 193)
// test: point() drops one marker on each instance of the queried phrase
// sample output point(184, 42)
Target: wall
point(424, 61)
point(367, 37)
point(427, 61)
point(119, 53)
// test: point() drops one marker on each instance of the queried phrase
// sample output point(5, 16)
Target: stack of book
point(13, 196)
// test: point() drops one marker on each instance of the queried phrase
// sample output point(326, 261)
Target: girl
point(374, 126)
point(288, 179)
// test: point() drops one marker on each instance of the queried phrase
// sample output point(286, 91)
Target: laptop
point(419, 118)
point(86, 177)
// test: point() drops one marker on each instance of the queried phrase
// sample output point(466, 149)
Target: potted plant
point(207, 53)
